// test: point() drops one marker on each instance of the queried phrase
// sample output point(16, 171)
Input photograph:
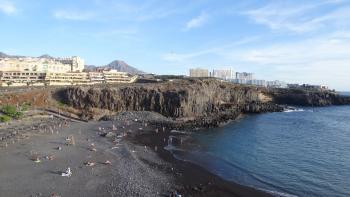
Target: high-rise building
point(227, 74)
point(257, 82)
point(276, 84)
point(243, 78)
point(199, 72)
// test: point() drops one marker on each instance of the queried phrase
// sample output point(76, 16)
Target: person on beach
point(67, 173)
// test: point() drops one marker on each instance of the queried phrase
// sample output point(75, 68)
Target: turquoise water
point(302, 153)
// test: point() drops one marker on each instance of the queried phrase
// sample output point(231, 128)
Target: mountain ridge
point(118, 65)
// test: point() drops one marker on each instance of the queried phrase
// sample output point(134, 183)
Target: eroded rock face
point(302, 97)
point(178, 99)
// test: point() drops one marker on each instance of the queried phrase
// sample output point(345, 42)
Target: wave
point(276, 193)
point(293, 109)
point(180, 132)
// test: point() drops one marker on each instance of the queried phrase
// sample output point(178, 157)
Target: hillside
point(3, 55)
point(124, 67)
point(117, 65)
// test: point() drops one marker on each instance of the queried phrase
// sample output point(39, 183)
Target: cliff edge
point(191, 99)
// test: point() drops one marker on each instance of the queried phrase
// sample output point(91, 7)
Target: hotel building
point(32, 71)
point(224, 74)
point(199, 72)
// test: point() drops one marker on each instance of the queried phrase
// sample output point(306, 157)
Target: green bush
point(61, 104)
point(11, 111)
point(25, 106)
point(5, 118)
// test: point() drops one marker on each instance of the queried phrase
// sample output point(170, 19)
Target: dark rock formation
point(192, 103)
point(179, 99)
point(303, 97)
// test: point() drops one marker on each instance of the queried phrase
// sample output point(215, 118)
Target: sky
point(297, 41)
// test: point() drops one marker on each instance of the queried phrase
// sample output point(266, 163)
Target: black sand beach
point(139, 164)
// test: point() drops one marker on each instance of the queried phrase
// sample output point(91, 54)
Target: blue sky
point(295, 41)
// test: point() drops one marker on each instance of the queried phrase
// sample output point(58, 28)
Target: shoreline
point(140, 164)
point(194, 179)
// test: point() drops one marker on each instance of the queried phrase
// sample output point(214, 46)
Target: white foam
point(276, 193)
point(294, 110)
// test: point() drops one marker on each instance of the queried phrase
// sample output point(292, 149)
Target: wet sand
point(192, 179)
point(140, 165)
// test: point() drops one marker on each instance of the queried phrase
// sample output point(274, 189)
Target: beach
point(125, 157)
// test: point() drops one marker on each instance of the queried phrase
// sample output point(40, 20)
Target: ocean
point(300, 153)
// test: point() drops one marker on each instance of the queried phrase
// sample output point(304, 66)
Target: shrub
point(11, 111)
point(25, 106)
point(5, 118)
point(61, 104)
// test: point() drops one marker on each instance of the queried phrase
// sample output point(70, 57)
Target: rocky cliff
point(303, 97)
point(200, 102)
point(187, 99)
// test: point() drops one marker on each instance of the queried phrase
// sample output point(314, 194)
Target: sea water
point(301, 153)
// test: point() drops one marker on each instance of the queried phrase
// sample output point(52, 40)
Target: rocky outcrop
point(177, 99)
point(303, 97)
point(198, 103)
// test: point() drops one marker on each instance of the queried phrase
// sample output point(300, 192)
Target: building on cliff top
point(225, 74)
point(31, 78)
point(199, 72)
point(41, 64)
point(308, 87)
point(39, 71)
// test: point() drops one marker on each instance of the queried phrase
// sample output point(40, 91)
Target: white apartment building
point(276, 84)
point(257, 82)
point(31, 78)
point(243, 78)
point(41, 64)
point(199, 72)
point(226, 74)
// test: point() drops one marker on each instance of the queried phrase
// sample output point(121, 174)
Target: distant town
point(247, 78)
point(46, 70)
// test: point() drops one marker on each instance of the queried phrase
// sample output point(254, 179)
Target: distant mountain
point(123, 67)
point(117, 65)
point(46, 56)
point(3, 55)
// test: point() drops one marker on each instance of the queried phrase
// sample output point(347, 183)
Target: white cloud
point(183, 57)
point(334, 46)
point(320, 60)
point(325, 59)
point(300, 18)
point(197, 21)
point(73, 15)
point(121, 11)
point(7, 7)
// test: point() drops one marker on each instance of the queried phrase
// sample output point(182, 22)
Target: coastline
point(144, 123)
point(138, 169)
point(193, 180)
